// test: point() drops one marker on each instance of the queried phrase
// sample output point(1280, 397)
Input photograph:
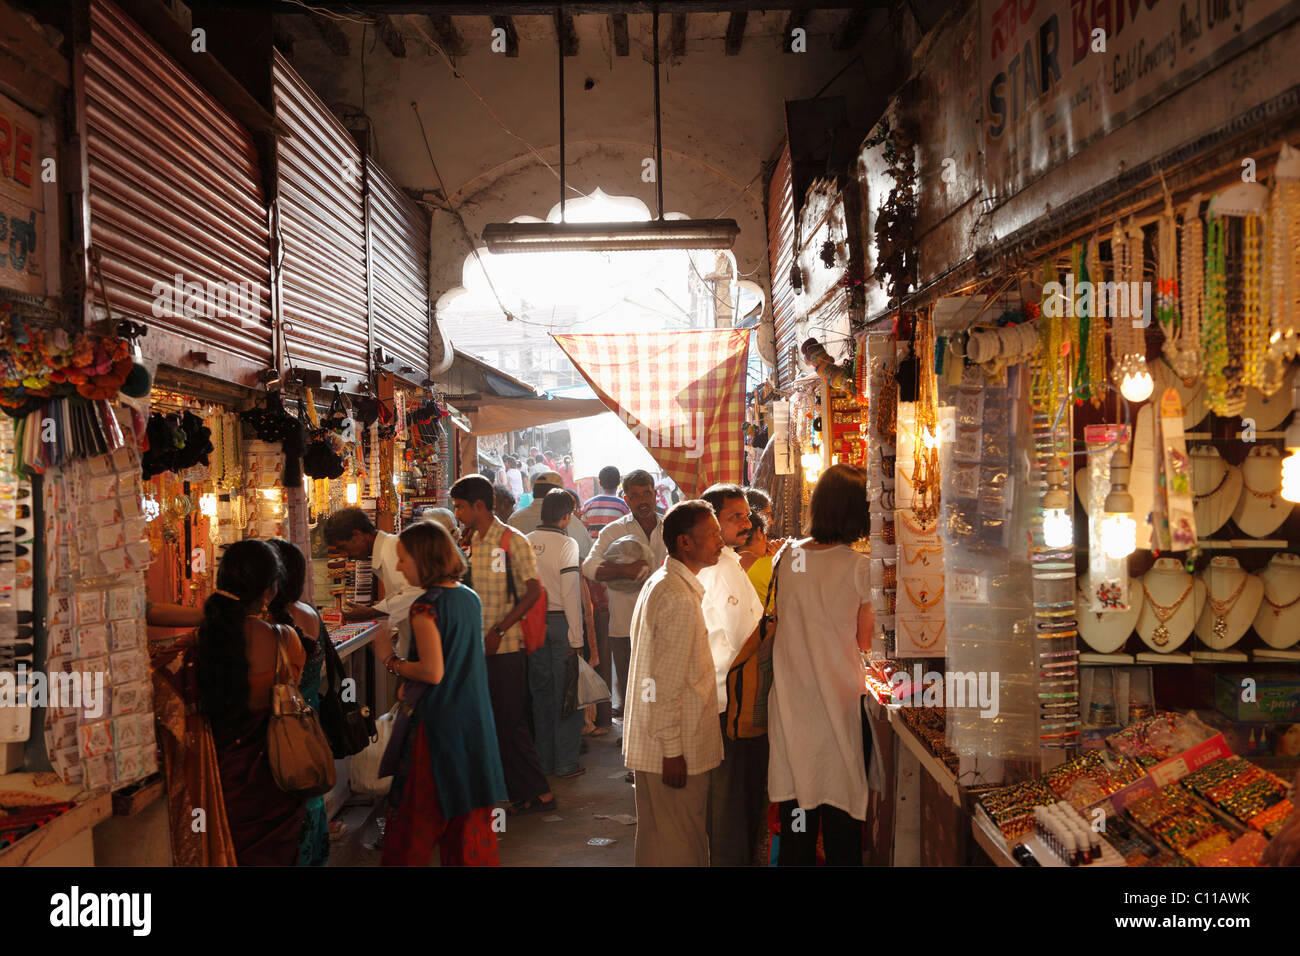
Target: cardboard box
point(1273, 697)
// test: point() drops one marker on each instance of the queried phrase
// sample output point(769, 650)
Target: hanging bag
point(533, 622)
point(348, 724)
point(365, 777)
point(749, 680)
point(300, 756)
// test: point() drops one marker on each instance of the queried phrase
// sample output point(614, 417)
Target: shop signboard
point(1056, 75)
point(22, 204)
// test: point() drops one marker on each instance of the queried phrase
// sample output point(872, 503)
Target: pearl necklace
point(1191, 286)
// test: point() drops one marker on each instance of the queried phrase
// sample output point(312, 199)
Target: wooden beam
point(391, 36)
point(796, 20)
point(849, 32)
point(618, 26)
point(512, 35)
point(677, 35)
point(448, 37)
point(565, 34)
point(735, 32)
point(332, 34)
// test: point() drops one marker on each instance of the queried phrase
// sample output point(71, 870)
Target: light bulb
point(1058, 529)
point(1291, 475)
point(1137, 386)
point(353, 493)
point(208, 505)
point(1118, 535)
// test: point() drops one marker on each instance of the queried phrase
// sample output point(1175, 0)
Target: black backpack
point(349, 726)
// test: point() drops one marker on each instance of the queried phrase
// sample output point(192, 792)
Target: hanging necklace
point(1167, 280)
point(1271, 496)
point(1215, 341)
point(918, 641)
point(1186, 361)
point(925, 474)
point(919, 553)
point(1252, 335)
point(1283, 235)
point(1096, 324)
point(1223, 608)
point(924, 601)
point(1279, 608)
point(1163, 612)
point(1217, 488)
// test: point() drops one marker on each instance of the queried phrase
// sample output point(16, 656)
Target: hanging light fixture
point(1137, 384)
point(658, 233)
point(1058, 526)
point(1118, 529)
point(1291, 463)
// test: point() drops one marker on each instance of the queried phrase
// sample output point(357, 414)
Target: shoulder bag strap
point(281, 657)
point(769, 616)
point(511, 591)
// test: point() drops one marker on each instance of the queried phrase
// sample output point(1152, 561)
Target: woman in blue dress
point(443, 753)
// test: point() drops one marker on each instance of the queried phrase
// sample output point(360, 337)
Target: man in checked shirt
point(671, 735)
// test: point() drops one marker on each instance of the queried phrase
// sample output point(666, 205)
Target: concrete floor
point(531, 840)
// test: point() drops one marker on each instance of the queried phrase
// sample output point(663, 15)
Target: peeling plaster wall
point(723, 117)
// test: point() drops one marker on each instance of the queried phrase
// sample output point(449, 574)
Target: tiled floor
point(532, 840)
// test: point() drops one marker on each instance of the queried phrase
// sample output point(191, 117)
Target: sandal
point(577, 773)
point(531, 806)
point(598, 732)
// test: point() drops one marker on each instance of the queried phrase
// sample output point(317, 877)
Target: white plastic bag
point(365, 765)
point(591, 689)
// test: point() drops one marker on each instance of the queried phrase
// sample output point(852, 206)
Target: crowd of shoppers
point(664, 606)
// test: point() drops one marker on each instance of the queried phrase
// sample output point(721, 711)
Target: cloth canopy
point(496, 415)
point(682, 395)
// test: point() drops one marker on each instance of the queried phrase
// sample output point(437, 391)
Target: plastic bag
point(365, 765)
point(591, 689)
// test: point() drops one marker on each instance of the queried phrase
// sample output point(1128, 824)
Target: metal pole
point(559, 25)
point(659, 143)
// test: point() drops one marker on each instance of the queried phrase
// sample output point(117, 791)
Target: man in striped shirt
point(599, 510)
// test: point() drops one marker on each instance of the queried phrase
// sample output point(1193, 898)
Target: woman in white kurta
point(816, 771)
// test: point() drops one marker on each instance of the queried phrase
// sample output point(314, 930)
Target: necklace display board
point(1232, 596)
point(1277, 621)
point(1172, 602)
point(921, 630)
point(1261, 509)
point(1107, 578)
point(17, 575)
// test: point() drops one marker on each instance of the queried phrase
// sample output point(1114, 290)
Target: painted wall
point(723, 117)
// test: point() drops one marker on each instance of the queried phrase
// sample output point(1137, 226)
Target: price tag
point(968, 587)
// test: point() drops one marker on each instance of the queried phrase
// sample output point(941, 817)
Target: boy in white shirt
point(558, 737)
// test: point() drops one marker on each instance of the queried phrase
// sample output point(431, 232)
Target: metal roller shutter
point(322, 234)
point(399, 273)
point(780, 251)
point(174, 189)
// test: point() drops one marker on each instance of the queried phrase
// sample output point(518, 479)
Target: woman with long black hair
point(238, 655)
point(287, 607)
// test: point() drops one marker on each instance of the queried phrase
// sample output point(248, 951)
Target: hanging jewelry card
point(1179, 500)
point(1107, 581)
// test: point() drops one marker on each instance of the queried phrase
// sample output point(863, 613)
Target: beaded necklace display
point(1214, 331)
point(1186, 359)
point(1051, 372)
point(923, 601)
point(1128, 345)
point(1279, 608)
point(217, 469)
point(917, 641)
point(1167, 281)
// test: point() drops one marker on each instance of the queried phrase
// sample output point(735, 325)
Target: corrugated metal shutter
point(174, 189)
point(399, 273)
point(322, 234)
point(780, 252)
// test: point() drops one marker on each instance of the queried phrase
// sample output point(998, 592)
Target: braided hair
point(246, 570)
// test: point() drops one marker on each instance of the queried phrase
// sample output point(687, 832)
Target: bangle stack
point(391, 663)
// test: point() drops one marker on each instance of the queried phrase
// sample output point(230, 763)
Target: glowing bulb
point(1291, 476)
point(1137, 386)
point(208, 505)
point(929, 439)
point(1058, 529)
point(1118, 535)
point(353, 493)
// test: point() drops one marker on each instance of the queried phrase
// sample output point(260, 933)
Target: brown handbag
point(749, 679)
point(296, 746)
